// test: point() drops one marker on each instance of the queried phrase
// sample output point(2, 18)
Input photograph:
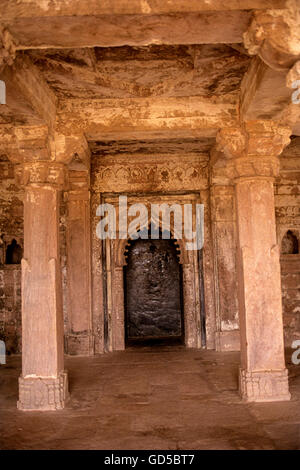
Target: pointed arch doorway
point(114, 261)
point(153, 292)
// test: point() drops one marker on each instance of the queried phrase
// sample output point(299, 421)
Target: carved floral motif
point(167, 175)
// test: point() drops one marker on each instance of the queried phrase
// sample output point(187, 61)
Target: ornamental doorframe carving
point(113, 275)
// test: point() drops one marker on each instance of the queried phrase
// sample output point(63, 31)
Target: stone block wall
point(10, 308)
point(224, 240)
point(287, 207)
point(11, 228)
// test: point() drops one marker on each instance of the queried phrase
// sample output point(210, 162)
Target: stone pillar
point(208, 273)
point(79, 340)
point(263, 376)
point(189, 307)
point(227, 335)
point(118, 319)
point(43, 383)
point(98, 280)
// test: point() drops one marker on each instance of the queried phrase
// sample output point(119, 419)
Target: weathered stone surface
point(23, 8)
point(274, 35)
point(79, 338)
point(7, 48)
point(127, 72)
point(224, 237)
point(288, 218)
point(153, 289)
point(42, 385)
point(134, 30)
point(158, 173)
point(161, 102)
point(43, 394)
point(11, 228)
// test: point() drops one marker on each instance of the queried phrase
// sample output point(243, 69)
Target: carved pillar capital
point(253, 166)
point(253, 149)
point(274, 35)
point(41, 173)
point(232, 141)
point(266, 138)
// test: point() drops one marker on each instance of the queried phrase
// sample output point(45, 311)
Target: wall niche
point(290, 244)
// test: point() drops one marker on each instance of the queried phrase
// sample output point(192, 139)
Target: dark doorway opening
point(13, 253)
point(153, 293)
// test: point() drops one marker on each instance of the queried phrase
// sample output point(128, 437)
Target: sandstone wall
point(287, 207)
point(224, 240)
point(11, 227)
point(222, 209)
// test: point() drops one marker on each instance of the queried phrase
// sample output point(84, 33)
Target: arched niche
point(290, 243)
point(153, 290)
point(115, 299)
point(14, 252)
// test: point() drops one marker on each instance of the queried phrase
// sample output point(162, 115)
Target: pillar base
point(264, 386)
point(43, 393)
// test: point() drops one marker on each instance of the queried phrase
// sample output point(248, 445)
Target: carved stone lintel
point(264, 386)
point(115, 174)
point(41, 173)
point(43, 393)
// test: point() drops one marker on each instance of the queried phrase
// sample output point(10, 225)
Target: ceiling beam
point(264, 92)
point(11, 9)
point(144, 117)
point(134, 30)
point(23, 77)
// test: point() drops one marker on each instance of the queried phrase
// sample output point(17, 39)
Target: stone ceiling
point(146, 147)
point(124, 72)
point(157, 73)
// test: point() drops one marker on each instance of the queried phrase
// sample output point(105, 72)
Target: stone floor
point(151, 398)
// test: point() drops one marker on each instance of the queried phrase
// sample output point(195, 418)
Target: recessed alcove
point(13, 253)
point(153, 292)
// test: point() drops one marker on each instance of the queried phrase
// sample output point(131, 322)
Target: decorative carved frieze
point(150, 174)
point(41, 173)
